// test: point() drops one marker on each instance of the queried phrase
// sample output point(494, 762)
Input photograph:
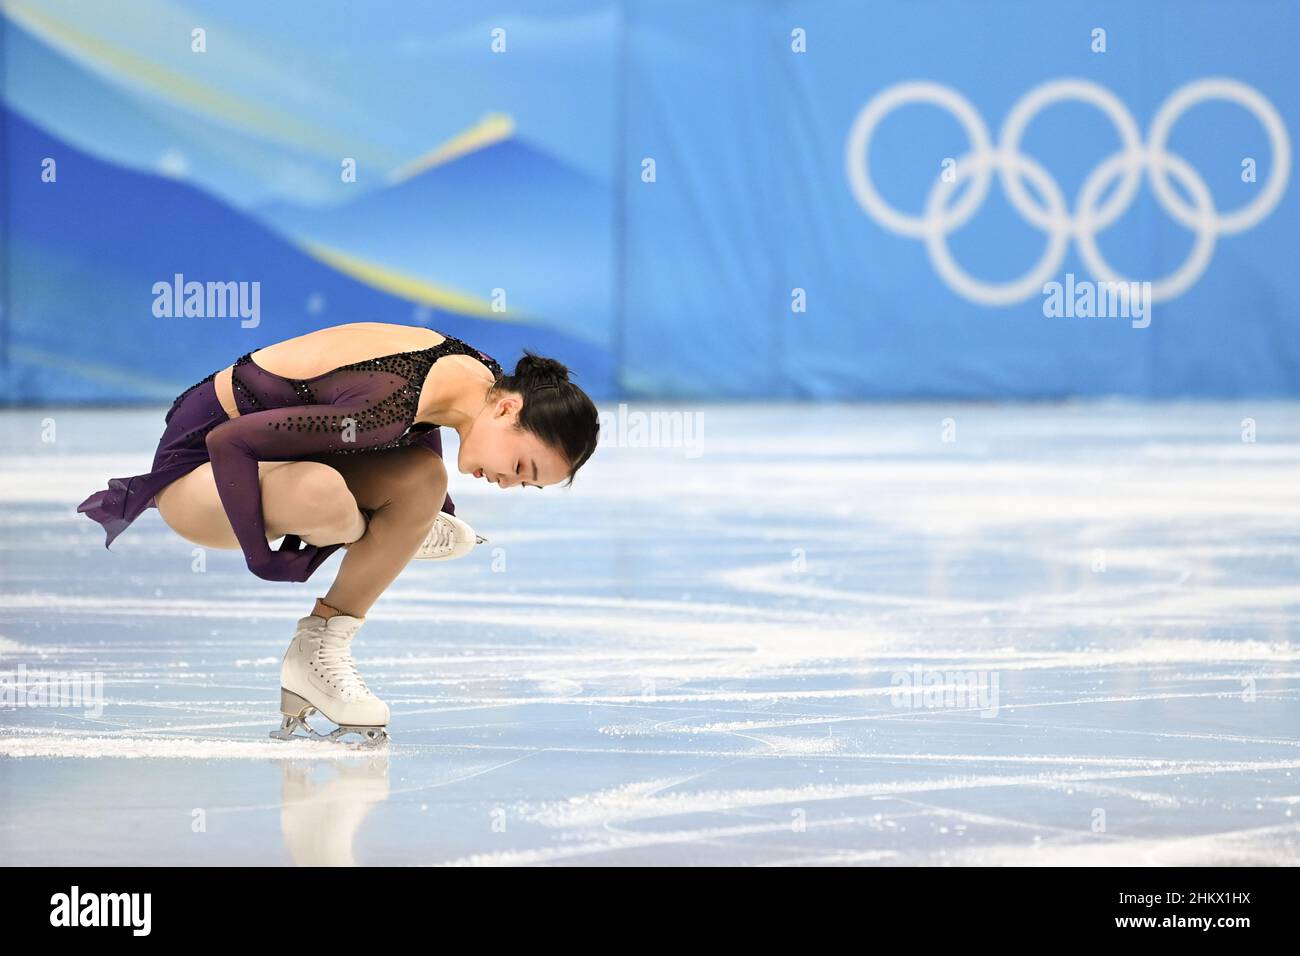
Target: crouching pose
point(330, 441)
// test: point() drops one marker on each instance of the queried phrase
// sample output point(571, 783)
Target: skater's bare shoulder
point(318, 352)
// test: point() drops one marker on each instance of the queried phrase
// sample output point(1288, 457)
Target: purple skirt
point(182, 448)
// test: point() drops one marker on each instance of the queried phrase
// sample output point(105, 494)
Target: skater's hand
point(292, 561)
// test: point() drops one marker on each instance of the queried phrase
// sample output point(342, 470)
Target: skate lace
point(440, 537)
point(337, 665)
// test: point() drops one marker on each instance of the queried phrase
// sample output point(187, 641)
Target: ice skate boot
point(448, 538)
point(318, 674)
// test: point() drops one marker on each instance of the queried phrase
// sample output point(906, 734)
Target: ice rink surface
point(803, 634)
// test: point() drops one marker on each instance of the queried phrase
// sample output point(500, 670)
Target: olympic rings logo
point(1054, 218)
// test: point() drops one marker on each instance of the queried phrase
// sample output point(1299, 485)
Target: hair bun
point(537, 371)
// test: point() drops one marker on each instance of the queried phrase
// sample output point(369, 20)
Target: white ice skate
point(448, 538)
point(318, 674)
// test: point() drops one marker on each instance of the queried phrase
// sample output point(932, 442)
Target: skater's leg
point(306, 498)
point(402, 490)
point(321, 500)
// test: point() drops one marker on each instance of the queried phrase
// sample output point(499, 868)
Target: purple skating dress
point(363, 406)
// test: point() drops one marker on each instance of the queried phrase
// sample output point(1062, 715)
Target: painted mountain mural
point(87, 241)
point(486, 213)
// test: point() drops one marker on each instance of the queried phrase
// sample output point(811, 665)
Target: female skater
point(330, 440)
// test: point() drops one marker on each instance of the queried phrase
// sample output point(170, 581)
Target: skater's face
point(500, 452)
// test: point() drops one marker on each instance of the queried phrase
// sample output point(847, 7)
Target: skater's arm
point(286, 434)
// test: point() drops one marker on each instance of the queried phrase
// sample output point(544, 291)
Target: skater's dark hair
point(555, 409)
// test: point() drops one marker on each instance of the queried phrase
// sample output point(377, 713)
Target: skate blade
point(294, 728)
point(296, 710)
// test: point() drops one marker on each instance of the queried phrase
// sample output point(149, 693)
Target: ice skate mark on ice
point(1155, 651)
point(613, 806)
point(1260, 846)
point(618, 662)
point(155, 748)
point(658, 699)
point(407, 603)
point(939, 715)
point(729, 727)
point(1172, 734)
point(652, 791)
point(1117, 763)
point(638, 840)
point(1011, 707)
point(172, 730)
point(815, 746)
point(1090, 606)
point(686, 628)
point(1165, 801)
point(763, 696)
point(968, 817)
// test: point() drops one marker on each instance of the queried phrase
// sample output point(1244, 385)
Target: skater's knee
point(418, 487)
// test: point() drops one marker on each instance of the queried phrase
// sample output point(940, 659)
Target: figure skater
point(330, 440)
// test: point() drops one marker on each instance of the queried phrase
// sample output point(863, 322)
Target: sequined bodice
point(387, 387)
